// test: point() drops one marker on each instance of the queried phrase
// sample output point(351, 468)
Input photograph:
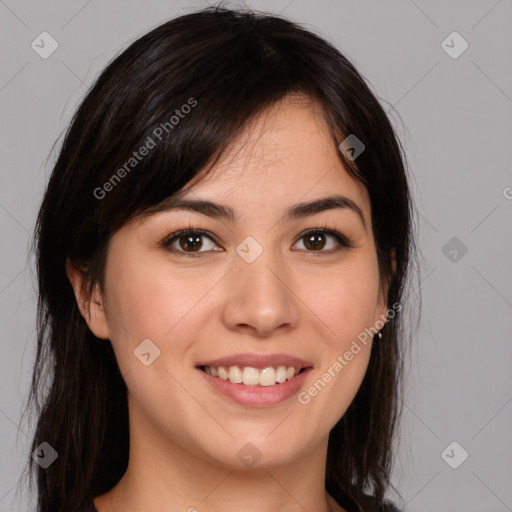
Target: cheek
point(346, 302)
point(141, 304)
point(138, 303)
point(152, 299)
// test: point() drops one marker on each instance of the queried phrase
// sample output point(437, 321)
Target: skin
point(307, 302)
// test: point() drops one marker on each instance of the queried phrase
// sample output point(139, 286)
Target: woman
point(222, 248)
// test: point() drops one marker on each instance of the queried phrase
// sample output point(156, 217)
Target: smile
point(270, 393)
point(249, 376)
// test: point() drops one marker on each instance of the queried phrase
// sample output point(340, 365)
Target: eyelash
point(342, 240)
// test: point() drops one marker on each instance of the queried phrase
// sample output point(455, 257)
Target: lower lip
point(257, 396)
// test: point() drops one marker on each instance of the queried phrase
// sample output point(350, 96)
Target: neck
point(162, 475)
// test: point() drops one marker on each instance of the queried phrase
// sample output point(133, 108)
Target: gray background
point(454, 119)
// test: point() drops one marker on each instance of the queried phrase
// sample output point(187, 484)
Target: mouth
point(251, 376)
point(255, 380)
point(253, 387)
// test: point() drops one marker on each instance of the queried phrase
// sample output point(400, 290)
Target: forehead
point(284, 155)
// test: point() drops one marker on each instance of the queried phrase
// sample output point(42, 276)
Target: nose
point(260, 298)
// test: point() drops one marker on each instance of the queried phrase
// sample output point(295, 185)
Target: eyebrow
point(297, 211)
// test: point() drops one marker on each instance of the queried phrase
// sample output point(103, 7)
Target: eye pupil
point(191, 241)
point(312, 241)
point(194, 242)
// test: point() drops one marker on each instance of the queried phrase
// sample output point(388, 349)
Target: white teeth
point(281, 374)
point(249, 376)
point(267, 377)
point(235, 374)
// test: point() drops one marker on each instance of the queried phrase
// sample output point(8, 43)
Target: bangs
point(183, 100)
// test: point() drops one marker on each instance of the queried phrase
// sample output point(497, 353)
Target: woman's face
point(257, 284)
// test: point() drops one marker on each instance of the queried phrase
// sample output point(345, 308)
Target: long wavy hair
point(234, 64)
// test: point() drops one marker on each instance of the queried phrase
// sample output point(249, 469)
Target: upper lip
point(258, 361)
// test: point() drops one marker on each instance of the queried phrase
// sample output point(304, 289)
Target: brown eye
point(316, 240)
point(192, 242)
point(189, 242)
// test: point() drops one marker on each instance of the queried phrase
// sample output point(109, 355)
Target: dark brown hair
point(234, 65)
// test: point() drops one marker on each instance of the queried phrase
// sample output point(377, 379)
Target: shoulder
point(370, 505)
point(84, 508)
point(382, 506)
point(88, 507)
point(388, 507)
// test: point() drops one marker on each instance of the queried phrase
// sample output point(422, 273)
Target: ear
point(91, 307)
point(383, 307)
